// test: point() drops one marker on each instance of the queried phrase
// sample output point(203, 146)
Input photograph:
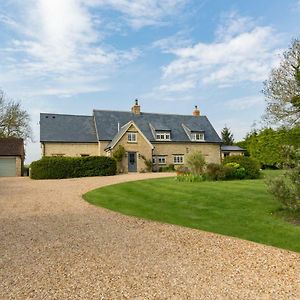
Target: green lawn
point(242, 209)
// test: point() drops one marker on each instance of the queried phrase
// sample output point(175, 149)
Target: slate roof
point(104, 125)
point(231, 148)
point(11, 147)
point(67, 128)
point(107, 125)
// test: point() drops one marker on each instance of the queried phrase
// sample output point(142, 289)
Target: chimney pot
point(136, 109)
point(196, 111)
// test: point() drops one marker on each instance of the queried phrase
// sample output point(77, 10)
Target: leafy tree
point(282, 89)
point(227, 136)
point(267, 145)
point(196, 162)
point(14, 121)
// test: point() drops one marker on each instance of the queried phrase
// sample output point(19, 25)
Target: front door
point(132, 166)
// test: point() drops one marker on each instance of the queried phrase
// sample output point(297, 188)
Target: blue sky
point(73, 56)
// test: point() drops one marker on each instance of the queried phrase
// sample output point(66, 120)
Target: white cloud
point(140, 13)
point(245, 103)
point(60, 49)
point(242, 51)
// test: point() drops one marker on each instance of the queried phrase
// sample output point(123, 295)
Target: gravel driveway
point(54, 245)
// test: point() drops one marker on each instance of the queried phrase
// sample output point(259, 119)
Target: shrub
point(168, 168)
point(70, 167)
point(286, 188)
point(196, 162)
point(148, 163)
point(118, 155)
point(189, 178)
point(215, 172)
point(235, 171)
point(251, 166)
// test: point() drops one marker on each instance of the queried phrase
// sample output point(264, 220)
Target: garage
point(11, 157)
point(7, 166)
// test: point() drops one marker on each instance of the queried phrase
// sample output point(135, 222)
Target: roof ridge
point(71, 115)
point(145, 113)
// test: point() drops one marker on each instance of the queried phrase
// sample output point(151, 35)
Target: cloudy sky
point(73, 56)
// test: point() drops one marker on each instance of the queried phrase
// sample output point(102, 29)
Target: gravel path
point(54, 245)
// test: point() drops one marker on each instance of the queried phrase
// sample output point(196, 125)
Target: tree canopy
point(227, 136)
point(282, 89)
point(14, 121)
point(267, 145)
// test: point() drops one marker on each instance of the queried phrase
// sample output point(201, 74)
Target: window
point(154, 160)
point(178, 159)
point(132, 137)
point(198, 136)
point(161, 160)
point(163, 136)
point(84, 155)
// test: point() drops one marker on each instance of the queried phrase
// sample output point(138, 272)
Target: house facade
point(231, 150)
point(162, 138)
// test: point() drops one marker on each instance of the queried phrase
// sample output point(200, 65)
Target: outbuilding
point(11, 156)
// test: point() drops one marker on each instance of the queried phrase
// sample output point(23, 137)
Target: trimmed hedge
point(251, 165)
point(71, 167)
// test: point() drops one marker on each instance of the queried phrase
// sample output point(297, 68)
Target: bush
point(251, 166)
point(286, 188)
point(71, 167)
point(236, 171)
point(189, 178)
point(196, 162)
point(215, 172)
point(168, 168)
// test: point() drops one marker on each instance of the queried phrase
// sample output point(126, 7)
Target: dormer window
point(197, 136)
point(163, 136)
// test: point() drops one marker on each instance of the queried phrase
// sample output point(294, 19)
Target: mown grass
point(241, 209)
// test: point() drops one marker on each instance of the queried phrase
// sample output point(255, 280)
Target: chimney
point(136, 109)
point(196, 111)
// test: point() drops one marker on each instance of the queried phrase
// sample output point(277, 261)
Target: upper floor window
point(163, 136)
point(132, 137)
point(198, 136)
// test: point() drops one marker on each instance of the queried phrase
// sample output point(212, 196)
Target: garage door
point(7, 166)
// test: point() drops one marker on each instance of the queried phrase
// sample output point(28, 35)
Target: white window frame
point(163, 136)
point(154, 160)
point(132, 137)
point(198, 136)
point(178, 159)
point(161, 160)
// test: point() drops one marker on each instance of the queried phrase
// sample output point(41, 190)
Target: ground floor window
point(154, 160)
point(161, 160)
point(178, 159)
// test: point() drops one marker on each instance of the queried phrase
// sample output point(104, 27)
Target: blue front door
point(132, 166)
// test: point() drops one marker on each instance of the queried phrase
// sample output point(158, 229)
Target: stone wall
point(70, 149)
point(211, 152)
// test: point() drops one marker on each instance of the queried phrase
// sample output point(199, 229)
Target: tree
point(282, 89)
point(267, 145)
point(14, 121)
point(227, 136)
point(196, 162)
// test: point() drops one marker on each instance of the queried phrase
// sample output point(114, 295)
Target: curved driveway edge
point(54, 245)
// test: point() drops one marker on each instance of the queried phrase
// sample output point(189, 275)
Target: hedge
point(71, 167)
point(251, 165)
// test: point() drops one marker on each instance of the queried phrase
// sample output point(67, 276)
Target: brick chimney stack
point(136, 109)
point(196, 111)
